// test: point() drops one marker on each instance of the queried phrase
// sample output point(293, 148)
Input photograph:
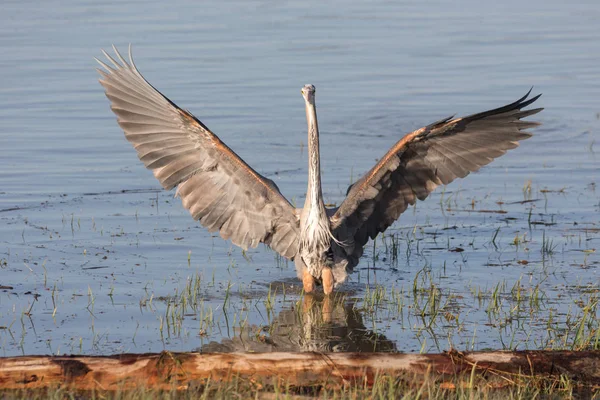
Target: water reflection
point(329, 324)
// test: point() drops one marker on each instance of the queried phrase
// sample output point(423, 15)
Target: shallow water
point(96, 259)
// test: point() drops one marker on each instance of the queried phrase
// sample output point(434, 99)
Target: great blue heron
point(225, 194)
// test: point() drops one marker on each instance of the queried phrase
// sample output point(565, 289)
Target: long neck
point(314, 196)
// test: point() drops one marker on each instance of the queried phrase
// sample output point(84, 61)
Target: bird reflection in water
point(315, 323)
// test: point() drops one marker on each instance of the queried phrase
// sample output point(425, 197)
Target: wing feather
point(217, 187)
point(422, 160)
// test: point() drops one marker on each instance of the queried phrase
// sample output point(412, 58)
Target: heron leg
point(308, 281)
point(327, 277)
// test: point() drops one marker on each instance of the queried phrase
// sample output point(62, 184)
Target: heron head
point(308, 92)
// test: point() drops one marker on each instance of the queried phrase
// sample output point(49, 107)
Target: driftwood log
point(181, 370)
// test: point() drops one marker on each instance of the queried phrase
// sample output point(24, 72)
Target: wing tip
point(123, 62)
point(524, 101)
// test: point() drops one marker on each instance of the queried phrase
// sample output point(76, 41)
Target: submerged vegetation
point(468, 274)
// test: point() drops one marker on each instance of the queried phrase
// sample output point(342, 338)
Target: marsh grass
point(468, 272)
point(470, 385)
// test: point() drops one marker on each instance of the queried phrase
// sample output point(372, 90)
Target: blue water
point(87, 237)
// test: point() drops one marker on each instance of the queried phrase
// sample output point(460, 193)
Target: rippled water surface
point(97, 259)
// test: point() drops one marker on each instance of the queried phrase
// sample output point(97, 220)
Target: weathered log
point(167, 370)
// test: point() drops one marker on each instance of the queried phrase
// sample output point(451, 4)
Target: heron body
point(226, 195)
point(315, 229)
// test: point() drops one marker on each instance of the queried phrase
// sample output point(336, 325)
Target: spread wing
point(217, 187)
point(422, 160)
